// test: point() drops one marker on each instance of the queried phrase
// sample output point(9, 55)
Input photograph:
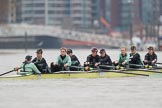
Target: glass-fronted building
point(54, 12)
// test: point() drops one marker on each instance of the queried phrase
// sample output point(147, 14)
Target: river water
point(136, 92)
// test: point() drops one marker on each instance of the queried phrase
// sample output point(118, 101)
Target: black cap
point(94, 49)
point(133, 48)
point(39, 51)
point(69, 51)
point(150, 48)
point(102, 51)
point(28, 57)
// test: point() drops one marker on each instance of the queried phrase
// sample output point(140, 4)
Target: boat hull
point(78, 75)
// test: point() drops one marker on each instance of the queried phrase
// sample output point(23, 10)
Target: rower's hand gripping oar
point(9, 72)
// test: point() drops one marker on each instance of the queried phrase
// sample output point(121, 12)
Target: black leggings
point(56, 68)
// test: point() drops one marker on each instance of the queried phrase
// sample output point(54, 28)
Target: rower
point(135, 59)
point(93, 59)
point(63, 61)
point(40, 62)
point(74, 60)
point(105, 60)
point(28, 67)
point(123, 58)
point(150, 57)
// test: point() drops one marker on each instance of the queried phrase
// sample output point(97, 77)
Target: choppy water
point(136, 92)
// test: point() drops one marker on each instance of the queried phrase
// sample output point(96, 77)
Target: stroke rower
point(63, 61)
point(150, 57)
point(93, 59)
point(40, 62)
point(122, 59)
point(135, 59)
point(74, 61)
point(28, 67)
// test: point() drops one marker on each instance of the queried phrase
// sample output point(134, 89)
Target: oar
point(159, 63)
point(7, 72)
point(142, 67)
point(77, 67)
point(158, 67)
point(153, 67)
point(119, 67)
point(147, 66)
point(107, 66)
point(144, 70)
point(123, 72)
point(136, 65)
point(82, 67)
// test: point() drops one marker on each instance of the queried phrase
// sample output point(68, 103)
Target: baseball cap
point(28, 57)
point(69, 51)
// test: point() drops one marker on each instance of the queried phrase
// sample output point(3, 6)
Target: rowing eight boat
point(89, 74)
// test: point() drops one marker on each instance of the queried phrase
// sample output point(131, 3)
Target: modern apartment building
point(81, 13)
point(54, 12)
point(32, 11)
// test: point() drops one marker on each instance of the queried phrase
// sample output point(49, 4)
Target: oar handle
point(136, 65)
point(159, 63)
point(80, 67)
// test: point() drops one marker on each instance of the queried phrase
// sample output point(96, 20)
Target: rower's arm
point(118, 58)
point(88, 59)
point(35, 69)
point(34, 60)
point(155, 58)
point(68, 61)
point(109, 60)
point(44, 63)
point(57, 60)
point(127, 59)
point(146, 57)
point(74, 60)
point(77, 60)
point(21, 67)
point(98, 60)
